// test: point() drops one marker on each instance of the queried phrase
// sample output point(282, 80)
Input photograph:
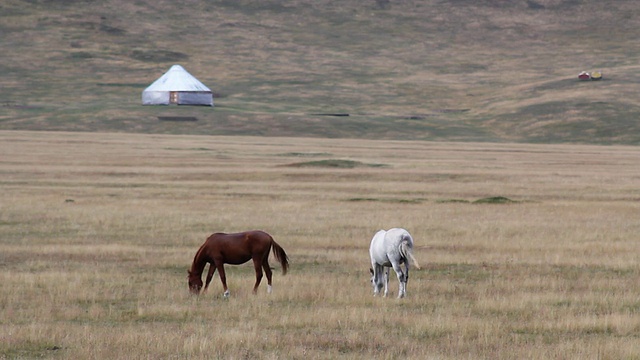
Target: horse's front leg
point(223, 276)
point(257, 265)
point(212, 270)
point(386, 281)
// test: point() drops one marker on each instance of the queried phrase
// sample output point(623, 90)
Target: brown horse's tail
point(281, 256)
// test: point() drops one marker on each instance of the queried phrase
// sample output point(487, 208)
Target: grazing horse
point(235, 249)
point(391, 248)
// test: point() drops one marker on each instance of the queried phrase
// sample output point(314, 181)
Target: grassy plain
point(97, 232)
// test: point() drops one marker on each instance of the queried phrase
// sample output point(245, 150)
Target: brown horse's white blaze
point(235, 249)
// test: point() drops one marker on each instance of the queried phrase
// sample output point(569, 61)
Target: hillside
point(461, 70)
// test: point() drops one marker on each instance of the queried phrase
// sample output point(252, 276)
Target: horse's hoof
point(226, 294)
point(269, 289)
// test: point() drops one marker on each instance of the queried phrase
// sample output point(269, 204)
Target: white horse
point(391, 248)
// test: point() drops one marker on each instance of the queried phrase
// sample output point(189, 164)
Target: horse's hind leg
point(257, 264)
point(377, 279)
point(268, 272)
point(402, 279)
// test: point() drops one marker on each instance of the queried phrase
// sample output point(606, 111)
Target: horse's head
point(195, 283)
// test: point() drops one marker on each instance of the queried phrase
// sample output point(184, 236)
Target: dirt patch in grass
point(158, 56)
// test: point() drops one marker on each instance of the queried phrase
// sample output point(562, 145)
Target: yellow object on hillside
point(596, 75)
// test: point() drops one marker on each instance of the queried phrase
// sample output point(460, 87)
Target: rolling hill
point(443, 70)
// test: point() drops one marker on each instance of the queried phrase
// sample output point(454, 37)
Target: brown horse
point(235, 249)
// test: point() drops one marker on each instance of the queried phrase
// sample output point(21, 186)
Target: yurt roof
point(177, 79)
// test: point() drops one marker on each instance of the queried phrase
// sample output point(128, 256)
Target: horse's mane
point(195, 271)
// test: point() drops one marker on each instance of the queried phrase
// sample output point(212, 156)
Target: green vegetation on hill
point(456, 70)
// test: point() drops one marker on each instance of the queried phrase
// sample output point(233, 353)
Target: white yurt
point(178, 87)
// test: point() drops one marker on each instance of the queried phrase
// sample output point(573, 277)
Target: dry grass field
point(97, 232)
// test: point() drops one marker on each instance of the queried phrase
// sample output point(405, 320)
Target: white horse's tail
point(407, 252)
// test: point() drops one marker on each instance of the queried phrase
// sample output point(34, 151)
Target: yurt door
point(173, 97)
